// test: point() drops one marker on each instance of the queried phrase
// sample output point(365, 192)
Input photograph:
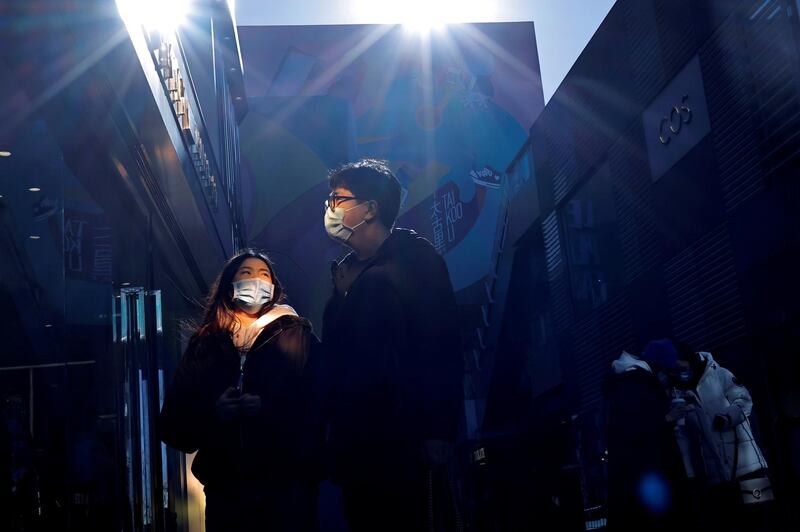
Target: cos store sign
point(677, 120)
point(673, 124)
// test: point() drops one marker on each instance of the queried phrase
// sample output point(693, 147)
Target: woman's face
point(252, 268)
point(681, 367)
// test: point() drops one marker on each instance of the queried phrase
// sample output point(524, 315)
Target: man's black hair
point(370, 179)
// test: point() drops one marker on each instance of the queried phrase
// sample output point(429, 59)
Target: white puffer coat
point(718, 392)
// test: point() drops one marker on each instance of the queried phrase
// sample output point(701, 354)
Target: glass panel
point(84, 422)
point(589, 220)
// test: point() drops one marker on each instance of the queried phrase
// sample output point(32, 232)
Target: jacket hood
point(628, 362)
point(707, 364)
point(706, 357)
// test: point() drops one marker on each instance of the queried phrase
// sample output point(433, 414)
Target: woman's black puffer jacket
point(282, 442)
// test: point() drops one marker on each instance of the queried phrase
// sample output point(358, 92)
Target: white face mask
point(251, 295)
point(334, 224)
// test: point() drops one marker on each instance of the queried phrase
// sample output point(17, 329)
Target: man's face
point(346, 199)
point(356, 209)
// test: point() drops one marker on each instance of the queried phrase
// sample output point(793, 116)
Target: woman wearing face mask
point(240, 398)
point(711, 411)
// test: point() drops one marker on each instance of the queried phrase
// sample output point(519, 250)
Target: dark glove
point(227, 406)
point(250, 404)
point(721, 421)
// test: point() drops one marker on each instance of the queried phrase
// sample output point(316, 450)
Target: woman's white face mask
point(251, 295)
point(335, 227)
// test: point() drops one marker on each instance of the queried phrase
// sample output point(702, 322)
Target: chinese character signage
point(87, 247)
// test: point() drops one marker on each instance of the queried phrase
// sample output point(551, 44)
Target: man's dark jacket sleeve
point(439, 349)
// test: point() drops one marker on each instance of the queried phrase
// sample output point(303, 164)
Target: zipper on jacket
point(240, 384)
point(242, 360)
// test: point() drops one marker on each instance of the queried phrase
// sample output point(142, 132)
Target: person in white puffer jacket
point(711, 411)
point(727, 405)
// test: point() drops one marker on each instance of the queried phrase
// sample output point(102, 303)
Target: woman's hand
point(722, 422)
point(227, 406)
point(679, 412)
point(250, 404)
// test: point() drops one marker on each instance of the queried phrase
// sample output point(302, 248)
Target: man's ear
point(372, 210)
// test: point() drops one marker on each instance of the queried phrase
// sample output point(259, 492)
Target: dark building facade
point(666, 205)
point(119, 202)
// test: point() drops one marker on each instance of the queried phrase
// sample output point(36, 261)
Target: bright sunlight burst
point(424, 15)
point(154, 15)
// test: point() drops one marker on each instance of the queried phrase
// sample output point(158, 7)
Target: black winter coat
point(646, 480)
point(281, 442)
point(393, 354)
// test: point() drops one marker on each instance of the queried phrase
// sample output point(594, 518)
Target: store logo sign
point(672, 125)
point(677, 120)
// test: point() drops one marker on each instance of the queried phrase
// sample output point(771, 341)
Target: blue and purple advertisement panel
point(448, 110)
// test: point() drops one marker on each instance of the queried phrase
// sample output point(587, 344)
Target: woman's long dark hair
point(220, 314)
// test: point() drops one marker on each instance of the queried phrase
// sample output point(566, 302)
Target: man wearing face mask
point(646, 489)
point(391, 339)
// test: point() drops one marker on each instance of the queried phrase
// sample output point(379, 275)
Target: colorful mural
point(448, 110)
